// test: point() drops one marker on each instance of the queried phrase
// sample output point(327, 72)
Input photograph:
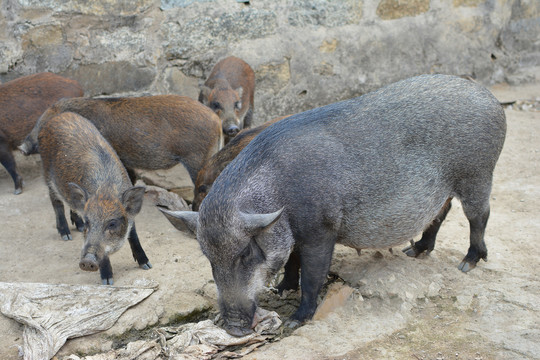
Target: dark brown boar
point(229, 91)
point(149, 132)
point(215, 165)
point(22, 101)
point(82, 170)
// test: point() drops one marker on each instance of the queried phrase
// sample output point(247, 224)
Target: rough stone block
point(112, 77)
point(395, 9)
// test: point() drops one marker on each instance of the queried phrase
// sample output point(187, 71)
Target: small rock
point(433, 290)
point(337, 296)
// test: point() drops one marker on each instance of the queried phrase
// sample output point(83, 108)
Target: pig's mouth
point(241, 327)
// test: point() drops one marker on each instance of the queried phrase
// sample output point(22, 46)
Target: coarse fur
point(22, 101)
point(215, 165)
point(229, 92)
point(373, 171)
point(82, 170)
point(149, 132)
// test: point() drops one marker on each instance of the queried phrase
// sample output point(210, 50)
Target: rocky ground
point(400, 308)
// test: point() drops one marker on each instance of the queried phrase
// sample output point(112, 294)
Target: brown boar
point(149, 132)
point(82, 170)
point(215, 165)
point(229, 92)
point(22, 101)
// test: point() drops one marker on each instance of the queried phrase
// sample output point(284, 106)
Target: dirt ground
point(401, 308)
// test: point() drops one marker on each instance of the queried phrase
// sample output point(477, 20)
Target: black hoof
point(146, 266)
point(411, 250)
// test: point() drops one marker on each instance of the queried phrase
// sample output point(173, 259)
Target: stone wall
point(304, 53)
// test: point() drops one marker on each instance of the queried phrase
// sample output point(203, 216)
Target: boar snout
point(237, 330)
point(89, 263)
point(237, 327)
point(232, 130)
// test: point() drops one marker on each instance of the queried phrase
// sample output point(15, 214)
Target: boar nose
point(232, 130)
point(237, 331)
point(89, 263)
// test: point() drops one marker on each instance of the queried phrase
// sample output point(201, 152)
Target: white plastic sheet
point(195, 341)
point(54, 313)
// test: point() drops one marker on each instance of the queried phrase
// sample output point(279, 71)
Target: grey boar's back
point(377, 169)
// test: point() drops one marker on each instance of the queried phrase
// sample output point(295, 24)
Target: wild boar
point(370, 172)
point(229, 92)
point(82, 170)
point(22, 101)
point(149, 132)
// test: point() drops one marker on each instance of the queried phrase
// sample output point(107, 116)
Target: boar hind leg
point(7, 159)
point(477, 248)
point(61, 222)
point(315, 261)
point(136, 249)
point(427, 242)
point(76, 220)
point(476, 209)
point(291, 276)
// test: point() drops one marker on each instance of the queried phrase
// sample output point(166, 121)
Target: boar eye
point(202, 189)
point(214, 105)
point(113, 225)
point(252, 254)
point(237, 105)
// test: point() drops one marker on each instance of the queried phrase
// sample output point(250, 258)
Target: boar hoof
point(291, 324)
point(108, 281)
point(465, 266)
point(411, 250)
point(67, 237)
point(146, 266)
point(18, 191)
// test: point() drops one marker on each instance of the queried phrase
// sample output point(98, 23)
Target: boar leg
point(132, 175)
point(474, 196)
point(7, 159)
point(61, 222)
point(477, 249)
point(315, 259)
point(193, 164)
point(105, 271)
point(291, 276)
point(136, 249)
point(76, 220)
point(427, 242)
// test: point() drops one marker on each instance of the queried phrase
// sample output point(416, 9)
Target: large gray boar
point(370, 172)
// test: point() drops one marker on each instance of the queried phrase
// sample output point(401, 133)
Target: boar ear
point(204, 94)
point(256, 223)
point(132, 199)
point(78, 197)
point(182, 220)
